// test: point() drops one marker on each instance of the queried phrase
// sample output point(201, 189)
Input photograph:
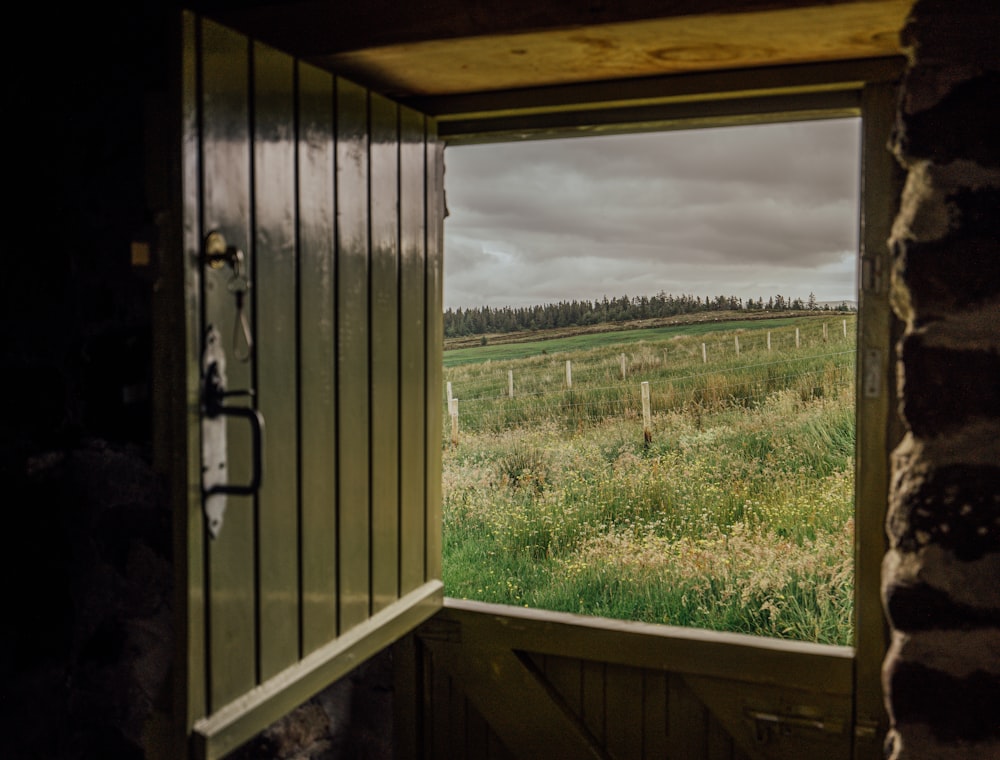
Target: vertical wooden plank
point(226, 207)
point(189, 556)
point(623, 711)
point(477, 735)
point(688, 728)
point(430, 716)
point(353, 434)
point(458, 708)
point(495, 750)
point(318, 459)
point(384, 149)
point(434, 273)
point(408, 699)
point(592, 698)
point(412, 349)
point(276, 358)
point(565, 676)
point(440, 707)
point(718, 744)
point(654, 714)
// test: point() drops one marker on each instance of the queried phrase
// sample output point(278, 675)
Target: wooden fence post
point(453, 409)
point(624, 374)
point(796, 337)
point(768, 340)
point(704, 354)
point(845, 328)
point(737, 338)
point(824, 332)
point(569, 374)
point(510, 383)
point(647, 421)
point(449, 394)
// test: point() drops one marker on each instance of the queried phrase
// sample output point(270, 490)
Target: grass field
point(736, 514)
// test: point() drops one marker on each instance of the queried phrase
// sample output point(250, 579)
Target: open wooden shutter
point(326, 201)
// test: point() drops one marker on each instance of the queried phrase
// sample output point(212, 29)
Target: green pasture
point(736, 514)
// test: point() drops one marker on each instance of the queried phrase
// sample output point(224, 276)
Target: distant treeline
point(484, 319)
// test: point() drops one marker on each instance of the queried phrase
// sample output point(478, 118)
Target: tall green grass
point(736, 516)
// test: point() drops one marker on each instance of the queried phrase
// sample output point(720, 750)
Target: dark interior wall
point(85, 632)
point(75, 311)
point(940, 577)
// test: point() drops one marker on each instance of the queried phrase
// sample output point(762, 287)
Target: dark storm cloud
point(748, 211)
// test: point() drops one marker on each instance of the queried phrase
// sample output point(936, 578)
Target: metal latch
point(215, 476)
point(769, 726)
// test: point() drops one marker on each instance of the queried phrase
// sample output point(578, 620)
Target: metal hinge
point(872, 275)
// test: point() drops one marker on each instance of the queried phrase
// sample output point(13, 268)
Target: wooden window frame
point(864, 89)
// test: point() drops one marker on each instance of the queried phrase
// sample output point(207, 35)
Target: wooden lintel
point(664, 117)
point(768, 81)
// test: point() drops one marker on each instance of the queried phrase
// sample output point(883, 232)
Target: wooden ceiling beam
point(435, 48)
point(316, 28)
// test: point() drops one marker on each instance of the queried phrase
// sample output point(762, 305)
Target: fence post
point(569, 374)
point(449, 394)
point(647, 422)
point(796, 337)
point(737, 338)
point(510, 383)
point(453, 409)
point(824, 332)
point(623, 366)
point(768, 340)
point(704, 354)
point(845, 328)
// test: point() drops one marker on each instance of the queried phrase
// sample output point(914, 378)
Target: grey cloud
point(720, 211)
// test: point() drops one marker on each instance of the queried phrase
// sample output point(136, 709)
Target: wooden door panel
point(323, 189)
point(613, 689)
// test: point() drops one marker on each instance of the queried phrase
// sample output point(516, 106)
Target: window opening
point(649, 368)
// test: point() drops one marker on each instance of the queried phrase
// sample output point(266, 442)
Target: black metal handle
point(214, 394)
point(257, 431)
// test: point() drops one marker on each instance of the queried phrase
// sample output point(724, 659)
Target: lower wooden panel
point(219, 733)
point(485, 688)
point(459, 731)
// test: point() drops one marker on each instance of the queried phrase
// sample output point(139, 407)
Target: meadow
point(734, 513)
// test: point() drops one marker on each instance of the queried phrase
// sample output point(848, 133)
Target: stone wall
point(941, 576)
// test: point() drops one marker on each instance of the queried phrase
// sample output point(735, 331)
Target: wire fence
point(600, 384)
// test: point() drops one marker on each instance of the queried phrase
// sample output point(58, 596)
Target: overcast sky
point(746, 211)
